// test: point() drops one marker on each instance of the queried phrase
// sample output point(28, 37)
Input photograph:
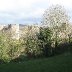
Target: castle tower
point(15, 31)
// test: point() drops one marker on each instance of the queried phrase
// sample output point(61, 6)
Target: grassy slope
point(59, 63)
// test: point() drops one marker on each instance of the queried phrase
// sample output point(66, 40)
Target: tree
point(30, 41)
point(57, 19)
point(4, 48)
point(9, 48)
point(45, 41)
point(32, 49)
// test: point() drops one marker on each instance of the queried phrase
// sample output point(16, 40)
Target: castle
point(19, 30)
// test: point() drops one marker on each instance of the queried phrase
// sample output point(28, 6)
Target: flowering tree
point(57, 19)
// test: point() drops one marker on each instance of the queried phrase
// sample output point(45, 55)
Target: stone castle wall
point(19, 30)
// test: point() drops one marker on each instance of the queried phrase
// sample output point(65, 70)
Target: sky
point(28, 11)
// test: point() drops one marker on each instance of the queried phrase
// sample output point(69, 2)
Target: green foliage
point(3, 47)
point(45, 35)
point(32, 48)
point(14, 48)
point(9, 48)
point(45, 41)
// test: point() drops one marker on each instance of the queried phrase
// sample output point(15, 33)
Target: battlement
point(19, 30)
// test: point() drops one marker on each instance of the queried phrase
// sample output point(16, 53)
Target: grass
point(60, 63)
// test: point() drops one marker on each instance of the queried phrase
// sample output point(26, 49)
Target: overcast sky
point(28, 11)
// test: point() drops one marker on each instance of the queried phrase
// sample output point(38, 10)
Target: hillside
point(60, 63)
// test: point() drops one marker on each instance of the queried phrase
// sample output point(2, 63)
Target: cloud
point(65, 3)
point(13, 5)
point(18, 11)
